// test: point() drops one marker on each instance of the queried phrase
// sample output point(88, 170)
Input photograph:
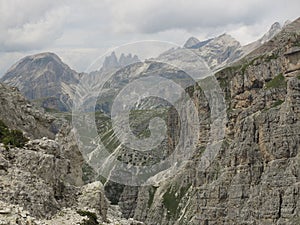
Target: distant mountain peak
point(275, 29)
point(43, 55)
point(275, 25)
point(226, 38)
point(192, 41)
point(112, 61)
point(125, 60)
point(45, 78)
point(47, 56)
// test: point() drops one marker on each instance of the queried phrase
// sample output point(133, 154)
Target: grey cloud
point(49, 25)
point(34, 24)
point(23, 29)
point(190, 14)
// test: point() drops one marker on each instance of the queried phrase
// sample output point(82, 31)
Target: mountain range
point(253, 178)
point(48, 82)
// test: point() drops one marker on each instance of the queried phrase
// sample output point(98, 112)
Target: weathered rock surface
point(254, 179)
point(17, 113)
point(41, 182)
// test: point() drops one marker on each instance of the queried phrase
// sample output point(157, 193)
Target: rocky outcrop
point(34, 178)
point(69, 147)
point(92, 197)
point(18, 113)
point(41, 180)
point(42, 175)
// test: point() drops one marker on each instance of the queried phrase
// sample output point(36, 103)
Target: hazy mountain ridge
point(224, 49)
point(44, 79)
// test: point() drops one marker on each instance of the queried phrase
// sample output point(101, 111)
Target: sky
point(81, 30)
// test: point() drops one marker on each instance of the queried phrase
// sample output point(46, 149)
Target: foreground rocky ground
point(41, 173)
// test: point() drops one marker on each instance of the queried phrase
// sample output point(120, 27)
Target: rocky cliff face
point(259, 155)
point(45, 79)
point(254, 179)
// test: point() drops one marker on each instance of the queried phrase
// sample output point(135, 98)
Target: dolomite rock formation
point(254, 179)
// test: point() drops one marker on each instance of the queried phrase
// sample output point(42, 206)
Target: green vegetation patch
point(273, 56)
point(224, 82)
point(88, 173)
point(152, 191)
point(171, 200)
point(92, 217)
point(276, 82)
point(277, 103)
point(14, 138)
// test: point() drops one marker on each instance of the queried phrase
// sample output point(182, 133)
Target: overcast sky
point(78, 31)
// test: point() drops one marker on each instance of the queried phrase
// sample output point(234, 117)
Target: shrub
point(152, 191)
point(277, 103)
point(92, 217)
point(9, 137)
point(277, 82)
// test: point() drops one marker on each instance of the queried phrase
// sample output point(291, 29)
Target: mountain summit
point(275, 29)
point(45, 79)
point(112, 62)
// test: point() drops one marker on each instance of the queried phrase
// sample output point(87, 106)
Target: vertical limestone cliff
point(254, 179)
